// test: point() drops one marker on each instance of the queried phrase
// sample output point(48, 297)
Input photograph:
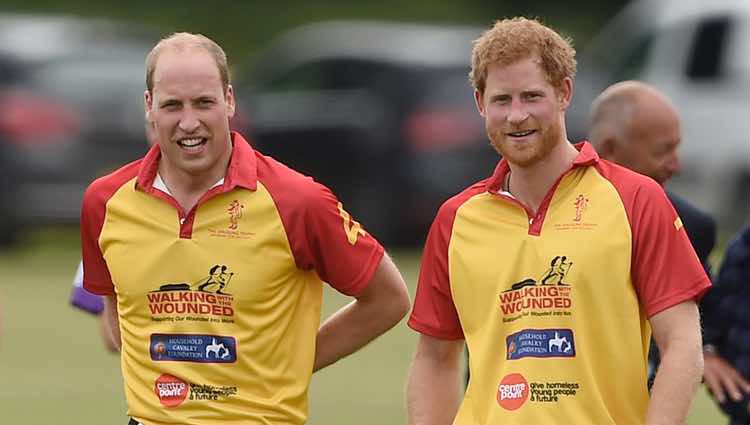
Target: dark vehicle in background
point(71, 109)
point(381, 113)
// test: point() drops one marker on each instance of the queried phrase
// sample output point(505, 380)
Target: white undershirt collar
point(159, 184)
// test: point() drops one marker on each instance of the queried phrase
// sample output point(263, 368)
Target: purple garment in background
point(82, 298)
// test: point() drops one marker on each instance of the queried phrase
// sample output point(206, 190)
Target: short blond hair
point(183, 41)
point(510, 40)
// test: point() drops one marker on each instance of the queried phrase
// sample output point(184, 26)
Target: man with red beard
point(572, 349)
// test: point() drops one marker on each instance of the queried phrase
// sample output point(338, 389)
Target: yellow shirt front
point(554, 306)
point(219, 306)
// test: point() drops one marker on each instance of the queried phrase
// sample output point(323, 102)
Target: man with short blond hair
point(211, 258)
point(553, 270)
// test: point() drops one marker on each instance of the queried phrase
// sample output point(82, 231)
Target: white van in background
point(698, 53)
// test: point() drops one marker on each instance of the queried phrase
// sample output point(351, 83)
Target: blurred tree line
point(244, 27)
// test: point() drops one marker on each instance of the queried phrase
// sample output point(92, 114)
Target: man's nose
point(673, 163)
point(189, 121)
point(518, 113)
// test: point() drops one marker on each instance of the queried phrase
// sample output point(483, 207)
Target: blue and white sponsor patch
point(193, 348)
point(540, 343)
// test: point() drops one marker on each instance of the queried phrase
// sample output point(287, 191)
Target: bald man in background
point(636, 126)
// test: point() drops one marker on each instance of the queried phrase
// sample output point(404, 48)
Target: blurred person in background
point(550, 268)
point(215, 254)
point(636, 126)
point(726, 327)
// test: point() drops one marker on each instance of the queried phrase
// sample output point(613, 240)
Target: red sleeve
point(96, 277)
point(434, 312)
point(321, 234)
point(665, 269)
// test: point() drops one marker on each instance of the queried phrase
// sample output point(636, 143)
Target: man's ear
point(565, 93)
point(231, 105)
point(148, 103)
point(607, 148)
point(478, 101)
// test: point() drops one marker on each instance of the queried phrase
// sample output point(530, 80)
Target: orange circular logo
point(171, 390)
point(512, 391)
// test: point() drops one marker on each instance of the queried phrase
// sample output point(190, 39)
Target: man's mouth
point(192, 143)
point(521, 133)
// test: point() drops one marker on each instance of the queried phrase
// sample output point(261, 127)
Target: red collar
point(586, 156)
point(242, 170)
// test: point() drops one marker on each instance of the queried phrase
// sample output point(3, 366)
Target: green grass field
point(54, 370)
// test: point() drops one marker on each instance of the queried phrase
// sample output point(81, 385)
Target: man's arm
point(433, 392)
point(105, 330)
point(110, 323)
point(383, 303)
point(677, 334)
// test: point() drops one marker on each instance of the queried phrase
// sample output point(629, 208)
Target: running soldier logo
point(554, 276)
point(216, 282)
point(547, 296)
point(235, 214)
point(580, 204)
point(207, 296)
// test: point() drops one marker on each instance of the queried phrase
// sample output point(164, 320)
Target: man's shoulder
point(619, 175)
point(452, 204)
point(628, 182)
point(279, 177)
point(104, 187)
point(294, 193)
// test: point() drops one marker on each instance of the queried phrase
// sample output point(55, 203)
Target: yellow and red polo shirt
point(554, 306)
point(219, 306)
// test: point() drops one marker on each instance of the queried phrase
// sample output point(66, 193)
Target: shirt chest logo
point(204, 300)
point(232, 227)
point(235, 214)
point(540, 343)
point(581, 203)
point(549, 295)
point(578, 216)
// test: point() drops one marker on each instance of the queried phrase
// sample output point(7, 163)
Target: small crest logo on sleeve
point(580, 204)
point(235, 213)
